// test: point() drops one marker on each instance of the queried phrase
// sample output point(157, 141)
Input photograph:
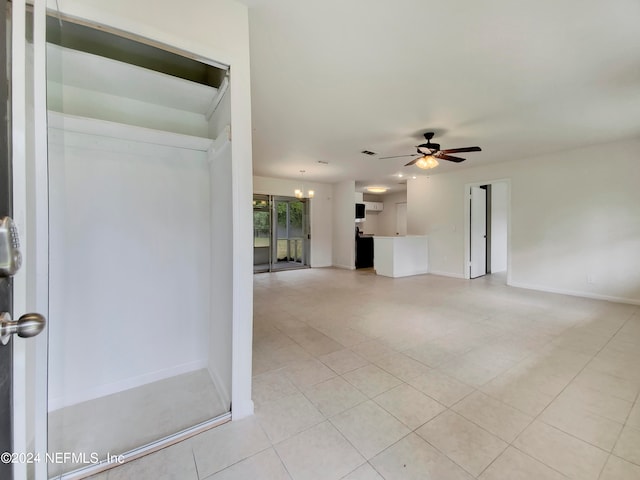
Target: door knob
point(28, 325)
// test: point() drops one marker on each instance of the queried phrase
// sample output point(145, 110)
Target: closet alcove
point(140, 242)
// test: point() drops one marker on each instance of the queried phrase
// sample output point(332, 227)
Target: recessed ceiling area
point(331, 79)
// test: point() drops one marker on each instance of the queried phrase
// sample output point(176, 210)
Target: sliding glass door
point(281, 233)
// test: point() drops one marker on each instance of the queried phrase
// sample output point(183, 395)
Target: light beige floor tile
point(343, 361)
point(372, 350)
point(334, 396)
point(285, 417)
point(433, 355)
point(414, 459)
point(173, 463)
point(371, 380)
point(443, 388)
point(597, 402)
point(408, 405)
point(401, 366)
point(265, 465)
point(315, 342)
point(320, 453)
point(271, 342)
point(308, 372)
point(364, 472)
point(498, 418)
point(225, 445)
point(578, 421)
point(565, 453)
point(619, 469)
point(614, 386)
point(473, 371)
point(628, 446)
point(369, 428)
point(271, 386)
point(526, 398)
point(581, 341)
point(464, 442)
point(285, 356)
point(345, 336)
point(515, 465)
point(634, 417)
point(100, 476)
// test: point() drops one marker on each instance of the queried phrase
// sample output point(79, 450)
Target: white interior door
point(478, 254)
point(401, 219)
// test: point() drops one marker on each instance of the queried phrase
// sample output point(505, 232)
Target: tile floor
point(359, 377)
point(158, 409)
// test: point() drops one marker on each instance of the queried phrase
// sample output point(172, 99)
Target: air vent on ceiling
point(368, 152)
point(322, 162)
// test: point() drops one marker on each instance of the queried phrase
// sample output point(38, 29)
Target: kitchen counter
point(400, 256)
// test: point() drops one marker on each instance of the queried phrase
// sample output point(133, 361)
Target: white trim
point(121, 131)
point(73, 398)
point(575, 293)
point(446, 274)
point(41, 235)
point(219, 143)
point(148, 449)
point(18, 123)
point(224, 86)
point(344, 267)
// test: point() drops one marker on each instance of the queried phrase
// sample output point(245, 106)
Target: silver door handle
point(28, 325)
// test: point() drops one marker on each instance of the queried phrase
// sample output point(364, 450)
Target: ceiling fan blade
point(443, 156)
point(398, 156)
point(413, 161)
point(464, 149)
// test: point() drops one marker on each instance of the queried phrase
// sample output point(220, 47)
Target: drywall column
point(344, 242)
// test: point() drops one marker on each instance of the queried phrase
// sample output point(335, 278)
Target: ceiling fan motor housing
point(428, 148)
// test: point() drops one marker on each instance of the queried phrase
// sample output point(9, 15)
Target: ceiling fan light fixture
point(427, 162)
point(377, 189)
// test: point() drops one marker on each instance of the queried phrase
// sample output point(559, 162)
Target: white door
point(478, 254)
point(401, 219)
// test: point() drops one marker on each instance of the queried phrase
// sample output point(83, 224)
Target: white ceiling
point(331, 78)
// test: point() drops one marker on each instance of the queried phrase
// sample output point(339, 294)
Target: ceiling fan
point(429, 152)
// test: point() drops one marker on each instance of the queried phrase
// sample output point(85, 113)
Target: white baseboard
point(344, 267)
point(446, 274)
point(242, 410)
point(97, 391)
point(575, 293)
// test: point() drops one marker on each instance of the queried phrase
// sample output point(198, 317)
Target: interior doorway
point(281, 235)
point(487, 227)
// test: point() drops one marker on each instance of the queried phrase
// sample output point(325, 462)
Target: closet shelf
point(105, 128)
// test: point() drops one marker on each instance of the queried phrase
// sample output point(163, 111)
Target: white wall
point(217, 30)
point(129, 262)
point(387, 218)
point(573, 215)
point(370, 224)
point(499, 212)
point(344, 225)
point(321, 213)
